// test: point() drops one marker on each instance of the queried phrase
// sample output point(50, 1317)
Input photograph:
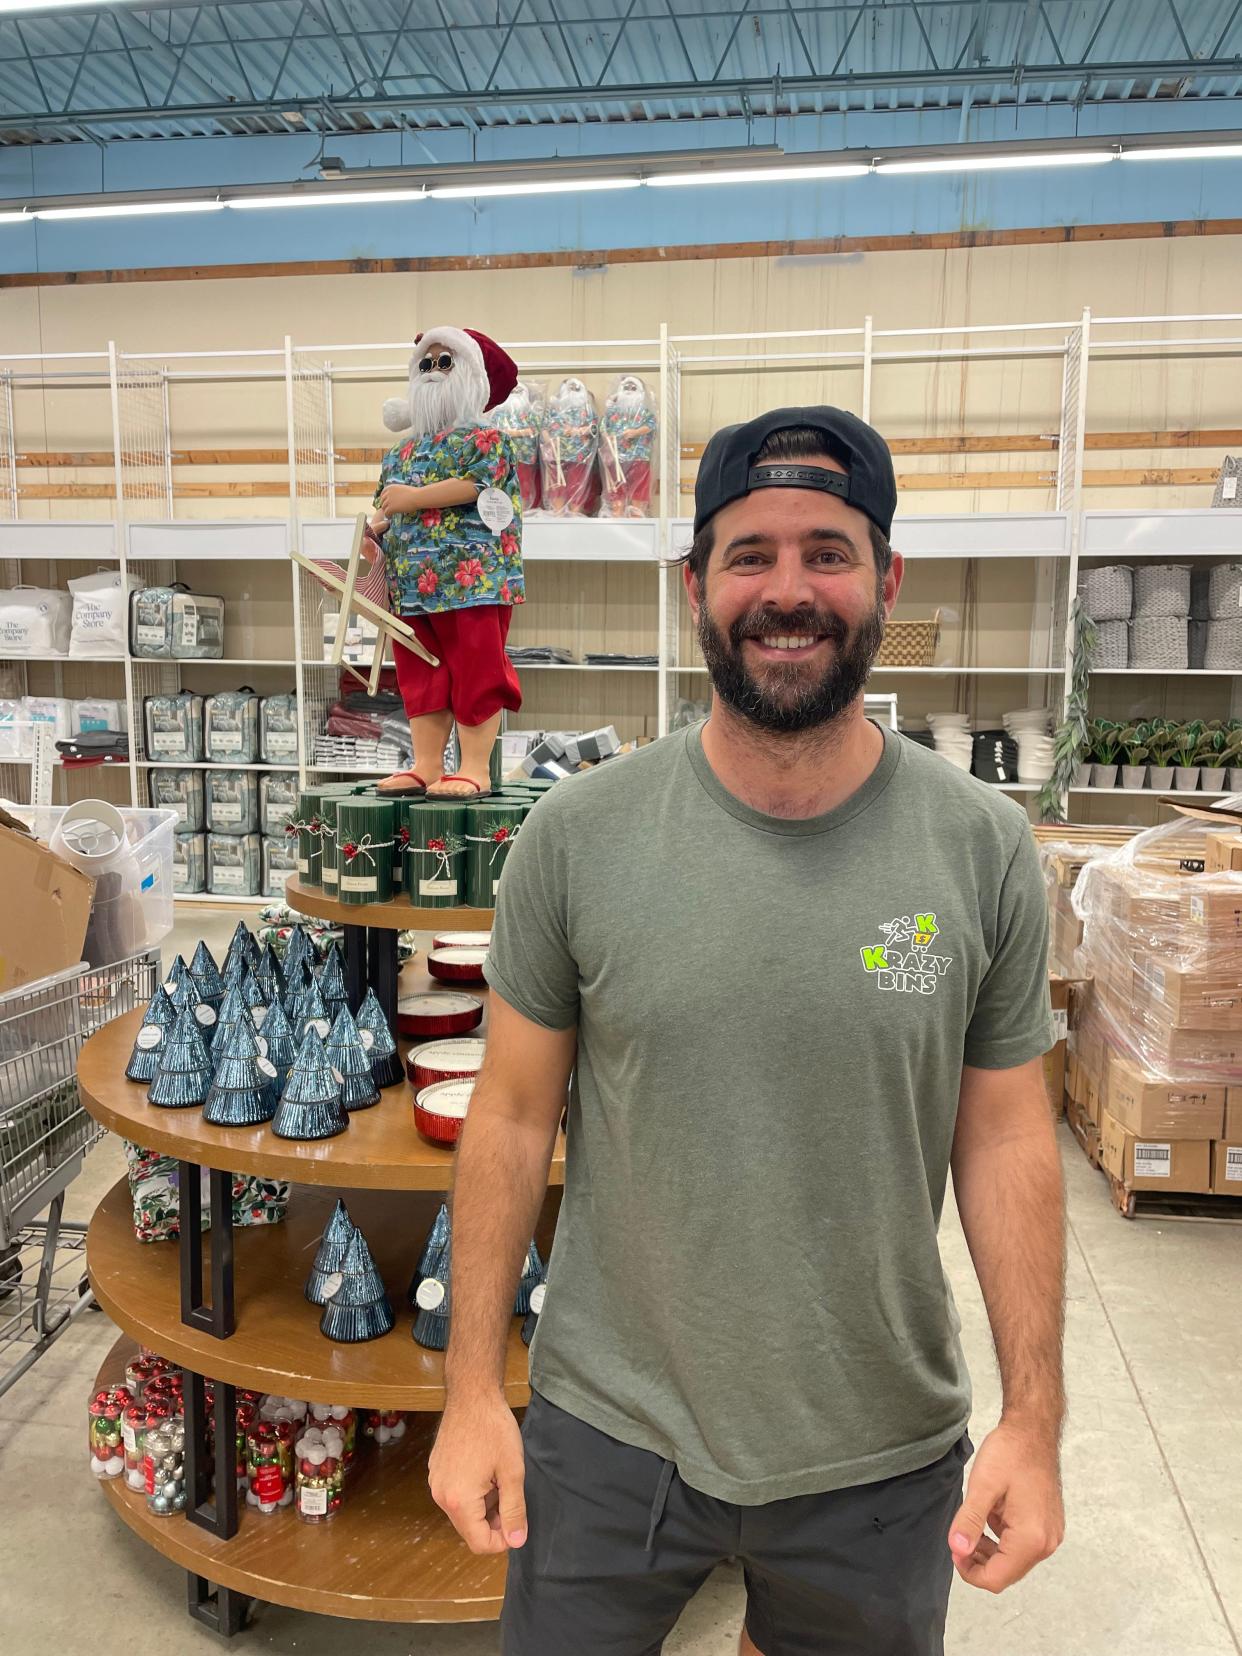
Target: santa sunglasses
point(443, 362)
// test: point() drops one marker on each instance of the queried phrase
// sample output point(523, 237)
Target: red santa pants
point(475, 678)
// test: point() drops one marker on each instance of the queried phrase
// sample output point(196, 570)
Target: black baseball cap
point(728, 469)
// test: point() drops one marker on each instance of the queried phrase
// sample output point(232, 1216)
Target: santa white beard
point(627, 401)
point(441, 402)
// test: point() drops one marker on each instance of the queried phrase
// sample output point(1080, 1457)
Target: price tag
point(267, 1067)
point(537, 1296)
point(324, 1028)
point(332, 1284)
point(368, 1038)
point(149, 1037)
point(430, 1295)
point(1229, 489)
point(496, 509)
point(205, 1014)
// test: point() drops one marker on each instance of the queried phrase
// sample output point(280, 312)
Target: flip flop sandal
point(418, 792)
point(459, 799)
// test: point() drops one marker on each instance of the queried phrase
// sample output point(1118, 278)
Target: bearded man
point(450, 526)
point(791, 968)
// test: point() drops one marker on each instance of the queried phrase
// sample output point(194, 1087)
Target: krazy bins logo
point(906, 960)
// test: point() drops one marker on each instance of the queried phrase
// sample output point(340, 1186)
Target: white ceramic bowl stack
point(1030, 727)
point(952, 736)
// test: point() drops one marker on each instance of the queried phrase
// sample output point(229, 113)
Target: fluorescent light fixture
point(9, 8)
point(339, 198)
point(757, 175)
point(127, 209)
point(1182, 152)
point(554, 186)
point(16, 218)
point(998, 163)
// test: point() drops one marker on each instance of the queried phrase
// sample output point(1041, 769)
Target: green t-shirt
point(772, 1021)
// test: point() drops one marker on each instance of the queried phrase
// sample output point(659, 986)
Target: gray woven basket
point(1225, 592)
point(1228, 490)
point(1161, 590)
point(1160, 643)
point(1198, 642)
point(1224, 646)
point(1112, 645)
point(1107, 592)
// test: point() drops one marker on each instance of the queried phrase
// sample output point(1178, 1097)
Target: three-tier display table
point(389, 1554)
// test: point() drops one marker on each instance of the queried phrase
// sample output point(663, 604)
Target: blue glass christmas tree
point(331, 978)
point(186, 998)
point(184, 1075)
point(310, 1106)
point(532, 1272)
point(243, 1088)
point(157, 1020)
point(175, 973)
point(360, 1309)
point(348, 1057)
point(298, 949)
point(206, 975)
point(437, 1236)
point(233, 1009)
point(269, 975)
point(277, 1038)
point(241, 946)
point(298, 979)
point(330, 1259)
point(431, 1325)
point(312, 1012)
point(386, 1066)
point(537, 1295)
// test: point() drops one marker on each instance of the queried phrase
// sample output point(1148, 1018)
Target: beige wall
point(721, 295)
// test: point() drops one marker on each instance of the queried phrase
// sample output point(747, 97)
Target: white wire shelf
point(1166, 672)
point(76, 660)
point(944, 672)
point(224, 899)
point(587, 667)
point(161, 661)
point(207, 764)
point(1155, 793)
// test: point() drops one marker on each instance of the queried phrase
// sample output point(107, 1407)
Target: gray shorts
point(618, 1545)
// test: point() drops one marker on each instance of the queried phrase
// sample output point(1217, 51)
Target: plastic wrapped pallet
point(181, 791)
point(280, 860)
point(234, 864)
point(189, 864)
point(100, 604)
point(278, 729)
point(34, 621)
point(232, 801)
point(278, 798)
point(231, 727)
point(174, 727)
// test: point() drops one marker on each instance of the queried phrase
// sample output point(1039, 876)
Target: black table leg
point(382, 971)
point(219, 1517)
point(355, 965)
point(220, 1317)
point(224, 1610)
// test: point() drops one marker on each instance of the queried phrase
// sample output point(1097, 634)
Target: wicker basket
point(1112, 645)
point(1160, 643)
point(1107, 593)
point(910, 643)
point(1225, 592)
point(1161, 592)
point(1224, 646)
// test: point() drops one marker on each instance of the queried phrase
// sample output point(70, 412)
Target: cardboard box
point(1155, 1108)
point(1224, 853)
point(1189, 999)
point(1233, 1115)
point(1071, 1077)
point(1091, 1102)
point(1176, 1050)
point(1227, 1168)
point(1212, 915)
point(44, 916)
point(1171, 1164)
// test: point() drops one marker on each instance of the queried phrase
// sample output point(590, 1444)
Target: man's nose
point(788, 585)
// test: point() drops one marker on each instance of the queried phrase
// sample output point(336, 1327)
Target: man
point(796, 965)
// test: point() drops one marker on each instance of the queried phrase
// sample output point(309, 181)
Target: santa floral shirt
point(447, 558)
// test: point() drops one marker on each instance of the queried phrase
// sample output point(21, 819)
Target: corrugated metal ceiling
point(183, 70)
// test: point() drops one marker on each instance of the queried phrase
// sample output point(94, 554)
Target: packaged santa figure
point(519, 417)
point(627, 449)
point(568, 443)
point(449, 522)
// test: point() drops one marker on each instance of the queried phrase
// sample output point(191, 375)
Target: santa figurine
point(627, 449)
point(520, 417)
point(449, 522)
point(568, 442)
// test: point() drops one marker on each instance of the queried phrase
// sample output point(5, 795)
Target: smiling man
point(796, 968)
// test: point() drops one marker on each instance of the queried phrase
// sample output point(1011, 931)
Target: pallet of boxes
point(1155, 1067)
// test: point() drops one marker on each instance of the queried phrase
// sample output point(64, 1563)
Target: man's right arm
point(506, 1148)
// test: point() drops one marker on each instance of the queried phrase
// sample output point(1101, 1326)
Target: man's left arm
point(1007, 1180)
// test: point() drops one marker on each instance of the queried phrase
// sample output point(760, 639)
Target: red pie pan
point(429, 1016)
point(440, 1061)
point(457, 965)
point(440, 1111)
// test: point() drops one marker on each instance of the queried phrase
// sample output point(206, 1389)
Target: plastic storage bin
point(150, 835)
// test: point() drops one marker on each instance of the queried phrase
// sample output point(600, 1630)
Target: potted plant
point(1133, 742)
point(1186, 756)
point(1104, 750)
point(1233, 757)
point(1211, 757)
point(1161, 746)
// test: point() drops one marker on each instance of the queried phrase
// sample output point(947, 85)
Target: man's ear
point(691, 583)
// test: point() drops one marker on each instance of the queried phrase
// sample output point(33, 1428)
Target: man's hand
point(399, 497)
point(1014, 1489)
point(478, 1474)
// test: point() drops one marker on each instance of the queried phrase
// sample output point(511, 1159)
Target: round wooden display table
point(390, 1554)
point(277, 1346)
point(371, 934)
point(228, 1304)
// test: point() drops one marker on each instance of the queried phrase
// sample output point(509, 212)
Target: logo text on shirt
point(905, 961)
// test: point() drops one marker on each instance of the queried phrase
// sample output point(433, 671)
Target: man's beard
point(789, 699)
point(442, 402)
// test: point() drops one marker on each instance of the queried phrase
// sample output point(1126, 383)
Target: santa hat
point(488, 360)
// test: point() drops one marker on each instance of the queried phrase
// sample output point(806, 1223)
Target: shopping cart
point(44, 1136)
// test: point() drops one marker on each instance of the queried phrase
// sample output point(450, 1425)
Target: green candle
point(329, 868)
point(364, 849)
point(307, 822)
point(491, 827)
point(435, 867)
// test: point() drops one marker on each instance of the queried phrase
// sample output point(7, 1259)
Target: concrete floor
point(1152, 1563)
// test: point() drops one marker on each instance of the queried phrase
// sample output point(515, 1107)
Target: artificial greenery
point(1133, 741)
point(1070, 744)
point(1105, 738)
point(1162, 741)
point(1186, 748)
